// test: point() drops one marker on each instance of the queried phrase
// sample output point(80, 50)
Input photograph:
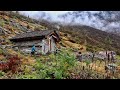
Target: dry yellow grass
point(12, 52)
point(2, 57)
point(23, 23)
point(93, 66)
point(65, 38)
point(97, 68)
point(70, 44)
point(74, 45)
point(28, 60)
point(10, 35)
point(6, 17)
point(61, 33)
point(66, 42)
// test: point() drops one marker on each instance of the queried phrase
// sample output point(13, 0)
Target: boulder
point(2, 31)
point(111, 67)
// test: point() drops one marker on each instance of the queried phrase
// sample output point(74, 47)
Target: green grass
point(118, 57)
point(1, 51)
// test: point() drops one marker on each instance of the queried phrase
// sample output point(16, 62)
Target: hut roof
point(38, 33)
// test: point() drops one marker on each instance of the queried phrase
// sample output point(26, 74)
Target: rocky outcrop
point(18, 25)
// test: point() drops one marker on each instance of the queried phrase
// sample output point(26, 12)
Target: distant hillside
point(95, 38)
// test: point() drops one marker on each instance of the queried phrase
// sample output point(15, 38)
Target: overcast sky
point(53, 15)
point(50, 12)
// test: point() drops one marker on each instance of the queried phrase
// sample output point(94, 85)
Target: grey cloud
point(98, 19)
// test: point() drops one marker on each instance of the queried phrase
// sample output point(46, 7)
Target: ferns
point(58, 74)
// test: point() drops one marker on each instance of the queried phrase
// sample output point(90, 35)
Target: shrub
point(11, 64)
point(1, 73)
point(42, 74)
point(58, 74)
point(87, 62)
point(57, 67)
point(66, 61)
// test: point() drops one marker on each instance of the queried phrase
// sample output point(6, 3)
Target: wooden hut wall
point(29, 43)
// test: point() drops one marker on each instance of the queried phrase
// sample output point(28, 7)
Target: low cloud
point(83, 18)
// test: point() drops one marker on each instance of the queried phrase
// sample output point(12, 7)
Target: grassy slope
point(96, 39)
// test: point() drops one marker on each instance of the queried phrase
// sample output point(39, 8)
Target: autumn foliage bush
point(11, 64)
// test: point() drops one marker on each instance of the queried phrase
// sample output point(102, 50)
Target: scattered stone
point(5, 31)
point(2, 31)
point(111, 67)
